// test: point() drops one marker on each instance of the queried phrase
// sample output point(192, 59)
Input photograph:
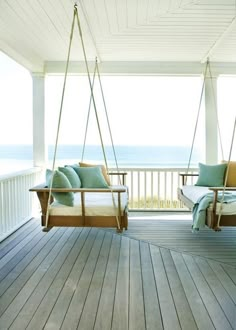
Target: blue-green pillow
point(60, 181)
point(71, 175)
point(74, 166)
point(92, 177)
point(211, 175)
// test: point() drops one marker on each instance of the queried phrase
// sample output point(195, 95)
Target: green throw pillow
point(92, 177)
point(75, 168)
point(211, 175)
point(60, 181)
point(71, 175)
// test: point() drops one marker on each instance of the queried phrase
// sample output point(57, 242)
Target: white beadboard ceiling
point(36, 32)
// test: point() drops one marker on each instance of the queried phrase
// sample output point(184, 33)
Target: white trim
point(211, 132)
point(39, 134)
point(142, 68)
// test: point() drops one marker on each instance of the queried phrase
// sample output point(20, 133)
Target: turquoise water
point(127, 156)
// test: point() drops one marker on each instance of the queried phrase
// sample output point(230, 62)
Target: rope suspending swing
point(92, 102)
point(197, 120)
point(59, 119)
point(226, 176)
point(207, 69)
point(96, 72)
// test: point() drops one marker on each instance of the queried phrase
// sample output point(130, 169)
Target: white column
point(39, 134)
point(211, 130)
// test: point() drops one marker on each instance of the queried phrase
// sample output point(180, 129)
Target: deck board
point(29, 307)
point(226, 303)
point(18, 236)
point(80, 294)
point(224, 278)
point(65, 288)
point(15, 280)
point(20, 253)
point(151, 301)
point(167, 305)
point(89, 278)
point(214, 309)
point(136, 306)
point(108, 288)
point(49, 263)
point(199, 310)
point(177, 235)
point(12, 250)
point(184, 312)
point(88, 316)
point(120, 311)
point(52, 309)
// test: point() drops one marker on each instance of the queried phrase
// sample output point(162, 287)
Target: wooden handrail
point(222, 188)
point(123, 174)
point(215, 191)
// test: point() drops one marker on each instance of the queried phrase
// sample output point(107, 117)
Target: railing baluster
point(152, 197)
point(154, 188)
point(145, 190)
point(159, 189)
point(172, 192)
point(132, 189)
point(165, 187)
point(138, 189)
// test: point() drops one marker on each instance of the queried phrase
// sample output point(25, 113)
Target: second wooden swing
point(212, 199)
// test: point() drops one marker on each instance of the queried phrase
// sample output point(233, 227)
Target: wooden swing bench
point(93, 207)
point(190, 195)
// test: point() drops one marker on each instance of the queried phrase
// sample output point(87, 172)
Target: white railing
point(17, 204)
point(153, 188)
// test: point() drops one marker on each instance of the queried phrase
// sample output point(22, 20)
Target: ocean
point(127, 156)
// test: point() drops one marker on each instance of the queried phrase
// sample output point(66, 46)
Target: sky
point(141, 111)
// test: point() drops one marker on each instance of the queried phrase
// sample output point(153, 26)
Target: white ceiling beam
point(143, 68)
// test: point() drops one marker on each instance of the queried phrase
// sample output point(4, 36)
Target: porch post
point(39, 134)
point(211, 133)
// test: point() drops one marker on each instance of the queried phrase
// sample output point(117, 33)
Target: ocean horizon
point(127, 156)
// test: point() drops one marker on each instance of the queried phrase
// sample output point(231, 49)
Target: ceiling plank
point(219, 40)
point(37, 32)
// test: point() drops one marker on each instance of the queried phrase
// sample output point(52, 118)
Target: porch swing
point(212, 199)
point(81, 195)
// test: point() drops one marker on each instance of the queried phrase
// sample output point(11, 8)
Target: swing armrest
point(222, 188)
point(215, 191)
point(123, 174)
point(184, 176)
point(44, 188)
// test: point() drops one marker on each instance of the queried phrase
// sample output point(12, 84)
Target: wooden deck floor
point(87, 278)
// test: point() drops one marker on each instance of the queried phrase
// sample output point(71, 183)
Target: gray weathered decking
point(174, 232)
point(88, 278)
